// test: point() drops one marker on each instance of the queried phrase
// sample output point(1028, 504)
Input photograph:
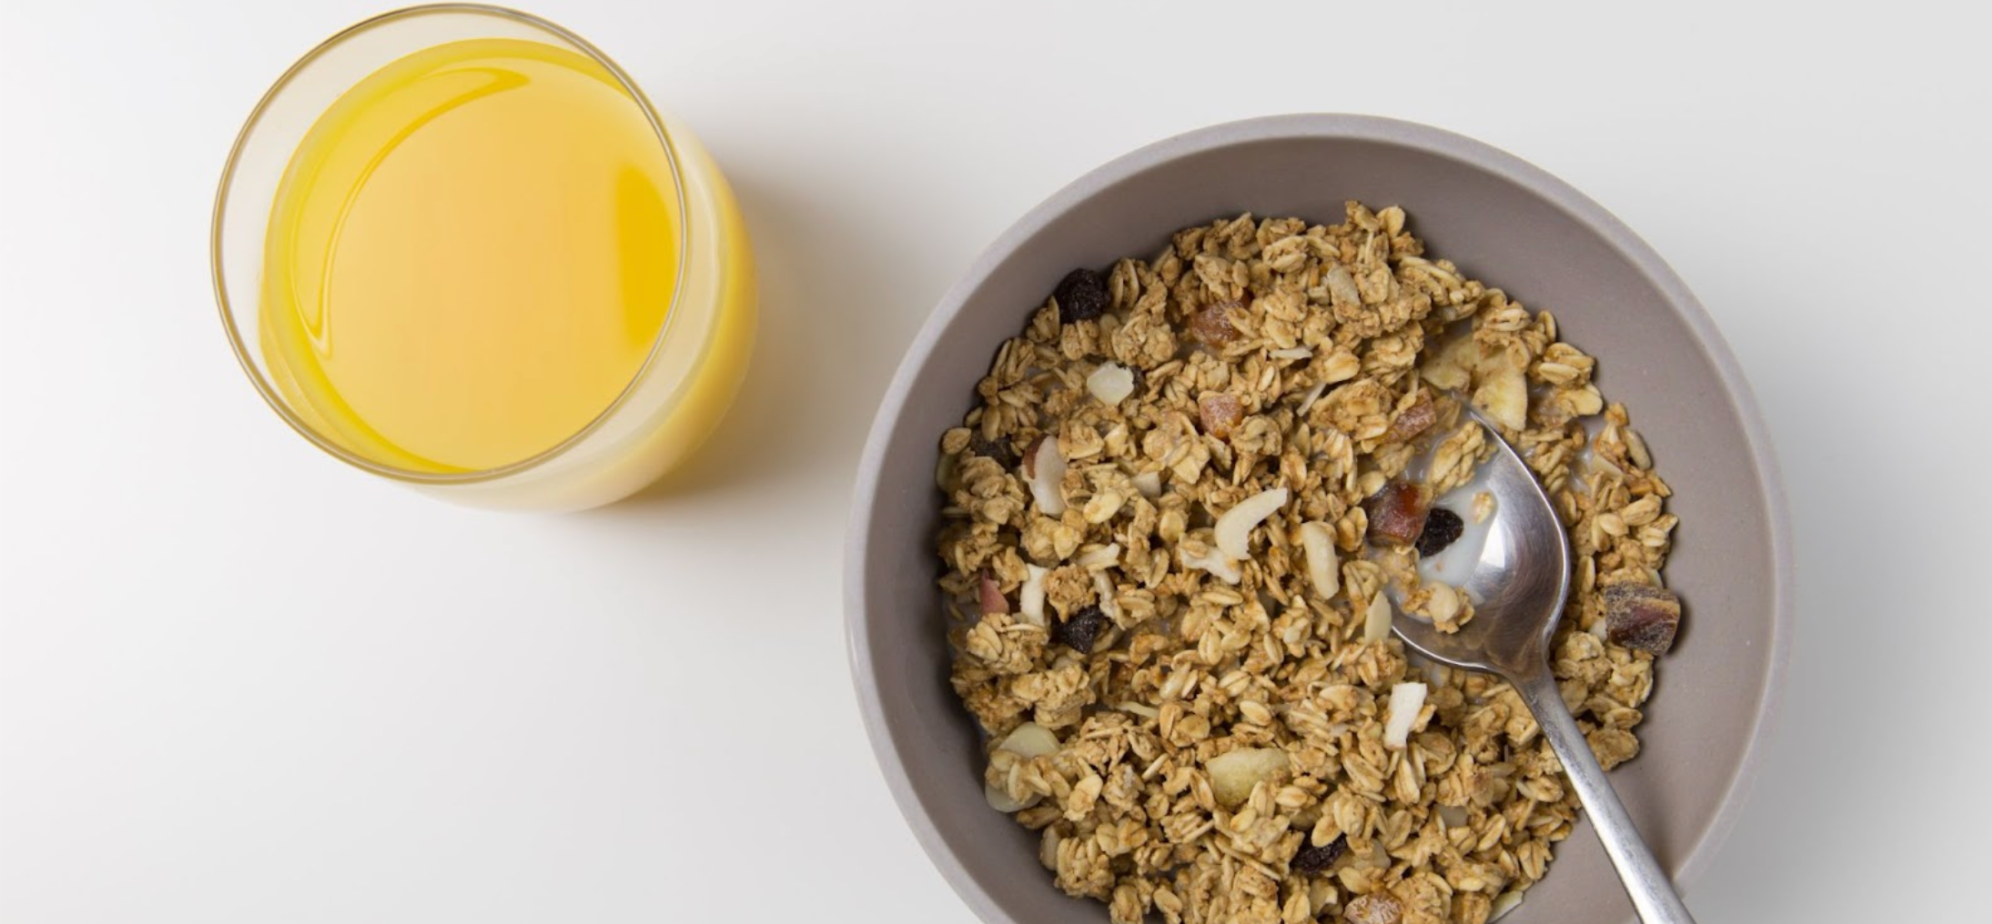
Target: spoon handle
point(1645, 882)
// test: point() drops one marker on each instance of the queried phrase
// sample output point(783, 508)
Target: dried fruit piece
point(992, 598)
point(998, 450)
point(1219, 412)
point(1641, 616)
point(1374, 908)
point(1442, 528)
point(1312, 859)
point(1414, 420)
point(1234, 529)
point(1082, 296)
point(1234, 773)
point(1397, 513)
point(1212, 326)
point(1079, 630)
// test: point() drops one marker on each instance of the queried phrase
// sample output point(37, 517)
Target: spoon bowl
point(1520, 583)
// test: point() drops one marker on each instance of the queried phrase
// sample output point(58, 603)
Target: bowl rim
point(1450, 145)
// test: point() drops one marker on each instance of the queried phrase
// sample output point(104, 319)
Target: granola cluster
point(1168, 533)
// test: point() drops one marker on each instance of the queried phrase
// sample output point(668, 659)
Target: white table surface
point(241, 683)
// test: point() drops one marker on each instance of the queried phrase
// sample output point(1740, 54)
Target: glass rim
point(242, 349)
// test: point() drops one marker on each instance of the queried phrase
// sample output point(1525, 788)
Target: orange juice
point(491, 269)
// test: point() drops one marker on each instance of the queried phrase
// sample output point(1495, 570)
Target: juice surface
point(469, 257)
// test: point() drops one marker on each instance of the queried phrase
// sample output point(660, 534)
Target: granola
point(1169, 526)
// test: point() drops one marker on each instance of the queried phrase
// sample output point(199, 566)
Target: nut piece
point(1397, 513)
point(1234, 773)
point(1219, 412)
point(1641, 616)
point(992, 599)
point(1082, 296)
point(1374, 908)
point(1111, 383)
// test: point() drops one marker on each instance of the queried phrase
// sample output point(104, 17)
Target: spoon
point(1523, 577)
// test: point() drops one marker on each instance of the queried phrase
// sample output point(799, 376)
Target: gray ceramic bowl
point(1503, 221)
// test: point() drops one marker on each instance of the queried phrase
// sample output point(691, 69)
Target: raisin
point(1079, 630)
point(1082, 296)
point(1312, 859)
point(1396, 514)
point(998, 450)
point(1642, 617)
point(1442, 528)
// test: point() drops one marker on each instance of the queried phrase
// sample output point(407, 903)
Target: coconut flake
point(1405, 701)
point(1504, 903)
point(1376, 623)
point(1030, 599)
point(1100, 556)
point(1292, 353)
point(1234, 528)
point(1317, 539)
point(1043, 471)
point(1111, 383)
point(1213, 561)
point(1149, 484)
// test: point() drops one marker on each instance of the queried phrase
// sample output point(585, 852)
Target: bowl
point(694, 365)
point(1501, 220)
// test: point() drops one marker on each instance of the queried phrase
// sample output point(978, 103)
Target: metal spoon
point(1521, 581)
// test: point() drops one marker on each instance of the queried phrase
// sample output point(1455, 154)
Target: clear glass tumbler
point(693, 369)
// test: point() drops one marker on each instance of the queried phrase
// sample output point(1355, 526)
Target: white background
point(241, 683)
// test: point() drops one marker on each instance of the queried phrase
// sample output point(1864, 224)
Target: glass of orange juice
point(455, 246)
